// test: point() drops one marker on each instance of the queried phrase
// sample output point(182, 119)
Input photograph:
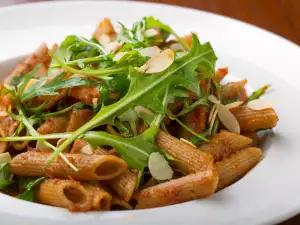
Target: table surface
point(279, 16)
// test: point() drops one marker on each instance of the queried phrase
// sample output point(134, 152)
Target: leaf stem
point(172, 116)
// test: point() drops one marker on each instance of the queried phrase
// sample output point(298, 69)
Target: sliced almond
point(119, 56)
point(234, 104)
point(228, 119)
point(60, 141)
point(40, 145)
point(104, 39)
point(3, 114)
point(213, 99)
point(188, 142)
point(113, 47)
point(259, 104)
point(95, 102)
point(150, 51)
point(159, 167)
point(151, 32)
point(5, 157)
point(176, 47)
point(87, 150)
point(159, 63)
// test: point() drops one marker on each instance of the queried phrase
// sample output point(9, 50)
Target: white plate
point(268, 194)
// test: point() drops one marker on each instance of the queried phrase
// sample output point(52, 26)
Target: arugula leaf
point(147, 90)
point(258, 93)
point(5, 175)
point(29, 184)
point(134, 150)
point(151, 22)
point(40, 88)
point(188, 108)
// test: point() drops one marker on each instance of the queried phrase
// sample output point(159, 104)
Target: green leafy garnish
point(258, 93)
point(41, 88)
point(148, 90)
point(29, 184)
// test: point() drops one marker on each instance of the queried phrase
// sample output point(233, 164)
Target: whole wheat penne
point(233, 90)
point(101, 199)
point(7, 128)
point(124, 184)
point(220, 74)
point(91, 167)
point(57, 124)
point(78, 118)
point(224, 144)
point(235, 167)
point(190, 187)
point(188, 158)
point(117, 201)
point(68, 194)
point(40, 56)
point(255, 139)
point(252, 120)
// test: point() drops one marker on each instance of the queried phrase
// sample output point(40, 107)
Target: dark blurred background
point(279, 16)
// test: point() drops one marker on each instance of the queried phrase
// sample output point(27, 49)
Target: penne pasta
point(188, 158)
point(78, 118)
point(252, 120)
point(105, 32)
point(57, 124)
point(124, 184)
point(235, 167)
point(7, 128)
point(220, 74)
point(68, 194)
point(224, 144)
point(91, 167)
point(190, 187)
point(255, 138)
point(233, 90)
point(101, 199)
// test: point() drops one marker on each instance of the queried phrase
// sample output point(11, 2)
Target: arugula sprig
point(147, 90)
point(41, 87)
point(29, 184)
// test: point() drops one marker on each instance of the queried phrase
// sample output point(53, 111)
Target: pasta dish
point(131, 118)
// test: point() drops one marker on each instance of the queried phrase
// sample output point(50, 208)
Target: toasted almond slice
point(150, 51)
point(211, 113)
point(259, 104)
point(40, 145)
point(213, 99)
point(234, 104)
point(151, 32)
point(5, 157)
point(159, 63)
point(113, 47)
point(60, 141)
point(176, 47)
point(188, 142)
point(228, 119)
point(159, 167)
point(119, 56)
point(95, 102)
point(3, 114)
point(87, 150)
point(104, 39)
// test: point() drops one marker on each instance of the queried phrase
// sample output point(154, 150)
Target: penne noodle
point(78, 118)
point(187, 158)
point(124, 184)
point(233, 90)
point(91, 167)
point(117, 201)
point(255, 139)
point(105, 32)
point(235, 167)
point(190, 187)
point(224, 144)
point(57, 124)
point(220, 74)
point(101, 200)
point(40, 56)
point(68, 194)
point(7, 128)
point(252, 120)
